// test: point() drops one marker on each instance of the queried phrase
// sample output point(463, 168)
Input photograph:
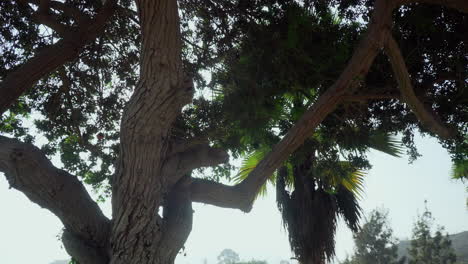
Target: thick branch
point(43, 6)
point(51, 57)
point(193, 157)
point(210, 192)
point(428, 119)
point(177, 220)
point(28, 170)
point(350, 78)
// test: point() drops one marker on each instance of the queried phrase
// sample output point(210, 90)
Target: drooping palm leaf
point(460, 169)
point(348, 207)
point(309, 215)
point(354, 182)
point(348, 184)
point(386, 143)
point(345, 175)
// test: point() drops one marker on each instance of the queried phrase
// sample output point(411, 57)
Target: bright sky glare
point(29, 233)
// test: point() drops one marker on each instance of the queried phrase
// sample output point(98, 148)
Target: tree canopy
point(137, 97)
point(428, 246)
point(375, 242)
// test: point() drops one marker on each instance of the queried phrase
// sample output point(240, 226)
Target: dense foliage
point(75, 112)
point(283, 63)
point(269, 60)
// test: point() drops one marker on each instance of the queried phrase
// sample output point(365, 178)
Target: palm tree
point(312, 193)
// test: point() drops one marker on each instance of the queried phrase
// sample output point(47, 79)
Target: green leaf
point(248, 165)
point(386, 143)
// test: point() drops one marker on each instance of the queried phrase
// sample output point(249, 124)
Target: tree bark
point(29, 171)
point(141, 183)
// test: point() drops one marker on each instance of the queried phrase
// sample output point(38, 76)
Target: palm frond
point(386, 143)
point(355, 182)
point(460, 169)
point(248, 164)
point(348, 207)
point(347, 176)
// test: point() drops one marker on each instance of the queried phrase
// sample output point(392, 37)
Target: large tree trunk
point(145, 176)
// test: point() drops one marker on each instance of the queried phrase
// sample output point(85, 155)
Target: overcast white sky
point(28, 234)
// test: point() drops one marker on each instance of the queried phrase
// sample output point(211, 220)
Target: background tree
point(109, 86)
point(374, 242)
point(228, 256)
point(429, 248)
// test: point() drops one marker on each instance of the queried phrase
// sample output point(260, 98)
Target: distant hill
point(459, 243)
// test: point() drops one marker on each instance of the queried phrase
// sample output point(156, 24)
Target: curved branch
point(51, 57)
point(428, 119)
point(349, 79)
point(28, 170)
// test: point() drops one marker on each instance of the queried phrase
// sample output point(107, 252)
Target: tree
point(374, 241)
point(228, 256)
point(430, 248)
point(76, 68)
